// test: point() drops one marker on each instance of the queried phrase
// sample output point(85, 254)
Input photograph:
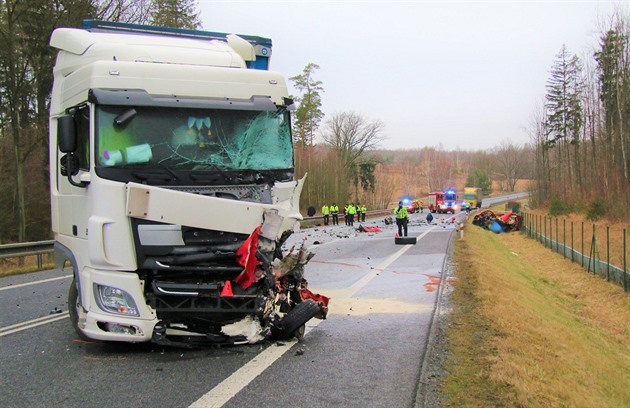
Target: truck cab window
point(82, 120)
point(192, 139)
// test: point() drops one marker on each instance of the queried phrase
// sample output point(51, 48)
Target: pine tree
point(564, 115)
point(176, 14)
point(308, 115)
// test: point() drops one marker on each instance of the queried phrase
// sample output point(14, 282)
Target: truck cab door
point(72, 164)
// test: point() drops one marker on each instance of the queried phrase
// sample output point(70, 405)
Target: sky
point(463, 75)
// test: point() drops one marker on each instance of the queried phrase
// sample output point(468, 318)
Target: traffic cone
point(396, 235)
point(227, 289)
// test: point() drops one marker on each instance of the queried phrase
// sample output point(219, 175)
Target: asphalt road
point(367, 353)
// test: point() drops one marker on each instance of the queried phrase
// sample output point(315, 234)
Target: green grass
point(531, 329)
point(29, 264)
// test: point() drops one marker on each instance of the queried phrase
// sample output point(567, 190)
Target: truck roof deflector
point(242, 47)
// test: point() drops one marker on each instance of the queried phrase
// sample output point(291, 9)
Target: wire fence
point(592, 246)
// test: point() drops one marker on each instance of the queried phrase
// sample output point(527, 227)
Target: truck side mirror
point(66, 134)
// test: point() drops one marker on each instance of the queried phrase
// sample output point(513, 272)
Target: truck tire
point(298, 316)
point(75, 310)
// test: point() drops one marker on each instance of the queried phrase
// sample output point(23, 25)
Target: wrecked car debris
point(498, 222)
point(368, 229)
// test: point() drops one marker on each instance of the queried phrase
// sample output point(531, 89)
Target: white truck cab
point(172, 186)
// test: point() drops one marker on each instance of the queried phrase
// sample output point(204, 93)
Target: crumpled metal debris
point(293, 263)
point(498, 222)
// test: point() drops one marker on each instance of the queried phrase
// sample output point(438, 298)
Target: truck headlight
point(114, 300)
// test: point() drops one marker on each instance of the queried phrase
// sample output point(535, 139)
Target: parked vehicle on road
point(473, 196)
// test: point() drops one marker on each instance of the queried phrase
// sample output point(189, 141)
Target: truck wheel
point(293, 321)
point(75, 310)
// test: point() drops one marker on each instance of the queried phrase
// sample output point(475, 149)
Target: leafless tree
point(350, 134)
point(510, 159)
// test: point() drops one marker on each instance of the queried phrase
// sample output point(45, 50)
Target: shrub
point(596, 210)
point(558, 207)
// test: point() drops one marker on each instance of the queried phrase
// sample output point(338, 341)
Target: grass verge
point(531, 329)
point(28, 264)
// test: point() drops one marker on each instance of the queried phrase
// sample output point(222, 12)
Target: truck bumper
point(102, 326)
point(97, 323)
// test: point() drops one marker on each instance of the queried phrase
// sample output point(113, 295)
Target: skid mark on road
point(337, 263)
point(432, 284)
point(87, 358)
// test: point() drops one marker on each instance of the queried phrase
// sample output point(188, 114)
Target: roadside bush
point(596, 210)
point(559, 207)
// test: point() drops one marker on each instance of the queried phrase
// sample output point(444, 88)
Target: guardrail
point(313, 221)
point(23, 249)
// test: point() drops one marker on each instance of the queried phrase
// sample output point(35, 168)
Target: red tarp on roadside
point(369, 229)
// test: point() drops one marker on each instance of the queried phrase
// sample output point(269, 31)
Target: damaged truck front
point(172, 187)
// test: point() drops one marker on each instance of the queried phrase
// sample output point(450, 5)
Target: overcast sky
point(460, 74)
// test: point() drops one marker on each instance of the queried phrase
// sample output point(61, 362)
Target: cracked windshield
point(193, 139)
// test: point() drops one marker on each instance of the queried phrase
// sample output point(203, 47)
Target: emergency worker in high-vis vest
point(363, 212)
point(351, 211)
point(402, 219)
point(334, 210)
point(326, 212)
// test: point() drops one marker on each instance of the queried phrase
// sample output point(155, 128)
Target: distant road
point(490, 201)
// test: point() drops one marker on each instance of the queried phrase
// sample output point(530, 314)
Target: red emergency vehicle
point(436, 201)
point(443, 201)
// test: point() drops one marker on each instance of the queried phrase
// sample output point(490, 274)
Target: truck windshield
point(192, 139)
point(450, 197)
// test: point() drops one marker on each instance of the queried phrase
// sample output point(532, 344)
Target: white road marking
point(239, 379)
point(21, 285)
point(32, 323)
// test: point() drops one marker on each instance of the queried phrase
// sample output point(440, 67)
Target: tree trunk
point(19, 185)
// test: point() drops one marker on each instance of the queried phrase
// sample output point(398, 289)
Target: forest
point(577, 160)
